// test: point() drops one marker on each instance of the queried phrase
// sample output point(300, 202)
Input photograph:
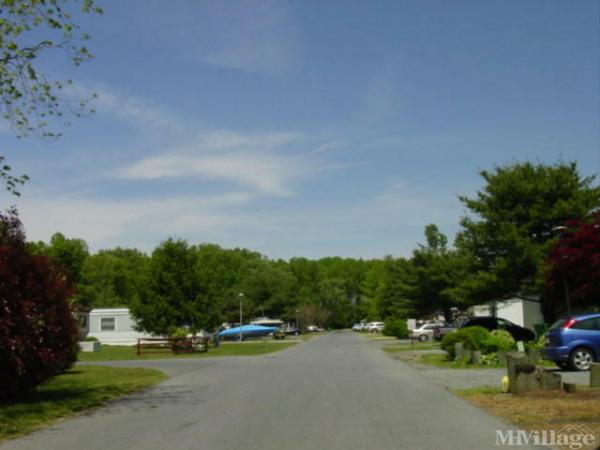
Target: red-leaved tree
point(38, 332)
point(575, 260)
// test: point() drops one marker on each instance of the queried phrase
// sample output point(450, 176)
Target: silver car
point(424, 332)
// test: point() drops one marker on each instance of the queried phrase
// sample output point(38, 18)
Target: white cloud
point(390, 222)
point(108, 223)
point(264, 174)
point(257, 161)
point(136, 111)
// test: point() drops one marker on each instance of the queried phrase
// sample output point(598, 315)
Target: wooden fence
point(147, 346)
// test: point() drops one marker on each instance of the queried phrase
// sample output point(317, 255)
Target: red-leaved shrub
point(575, 261)
point(38, 332)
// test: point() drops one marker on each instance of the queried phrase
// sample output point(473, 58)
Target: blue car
point(574, 342)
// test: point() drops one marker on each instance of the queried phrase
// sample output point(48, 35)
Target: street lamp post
point(297, 311)
point(560, 231)
point(241, 296)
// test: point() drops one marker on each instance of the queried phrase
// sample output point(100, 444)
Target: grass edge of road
point(78, 390)
point(122, 352)
point(541, 410)
point(395, 348)
point(440, 359)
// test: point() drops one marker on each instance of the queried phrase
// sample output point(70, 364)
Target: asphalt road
point(334, 392)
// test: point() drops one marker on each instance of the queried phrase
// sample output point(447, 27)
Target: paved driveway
point(334, 392)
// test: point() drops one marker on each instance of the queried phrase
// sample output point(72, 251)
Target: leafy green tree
point(30, 98)
point(268, 289)
point(394, 292)
point(349, 274)
point(172, 296)
point(437, 273)
point(368, 308)
point(312, 314)
point(112, 278)
point(335, 300)
point(220, 272)
point(308, 279)
point(508, 231)
point(69, 253)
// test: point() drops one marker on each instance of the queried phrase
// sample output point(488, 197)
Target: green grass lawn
point(116, 352)
point(440, 360)
point(72, 392)
point(375, 336)
point(409, 347)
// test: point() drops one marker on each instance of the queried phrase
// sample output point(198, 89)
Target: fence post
point(595, 375)
point(458, 351)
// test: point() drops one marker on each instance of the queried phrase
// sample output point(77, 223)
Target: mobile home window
point(107, 324)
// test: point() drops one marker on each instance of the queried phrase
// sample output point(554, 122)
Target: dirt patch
point(548, 410)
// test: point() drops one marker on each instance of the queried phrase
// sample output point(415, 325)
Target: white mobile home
point(113, 326)
point(524, 312)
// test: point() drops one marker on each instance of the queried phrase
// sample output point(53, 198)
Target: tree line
point(507, 245)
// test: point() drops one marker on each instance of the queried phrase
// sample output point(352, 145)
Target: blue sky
point(308, 128)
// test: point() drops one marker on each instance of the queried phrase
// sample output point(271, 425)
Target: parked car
point(424, 332)
point(313, 329)
point(375, 327)
point(442, 330)
point(496, 323)
point(574, 342)
point(291, 330)
point(358, 327)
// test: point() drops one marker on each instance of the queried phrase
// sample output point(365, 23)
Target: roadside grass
point(375, 336)
point(440, 360)
point(409, 347)
point(75, 391)
point(122, 352)
point(434, 359)
point(543, 410)
point(303, 337)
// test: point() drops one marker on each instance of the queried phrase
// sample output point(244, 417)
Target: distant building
point(113, 326)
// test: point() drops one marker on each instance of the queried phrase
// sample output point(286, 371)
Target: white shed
point(524, 312)
point(113, 326)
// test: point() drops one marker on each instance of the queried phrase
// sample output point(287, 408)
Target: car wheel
point(423, 338)
point(581, 358)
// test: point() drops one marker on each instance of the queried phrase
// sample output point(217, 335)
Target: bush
point(90, 339)
point(479, 334)
point(450, 339)
point(473, 338)
point(499, 341)
point(179, 340)
point(396, 327)
point(490, 360)
point(536, 345)
point(38, 330)
point(178, 332)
